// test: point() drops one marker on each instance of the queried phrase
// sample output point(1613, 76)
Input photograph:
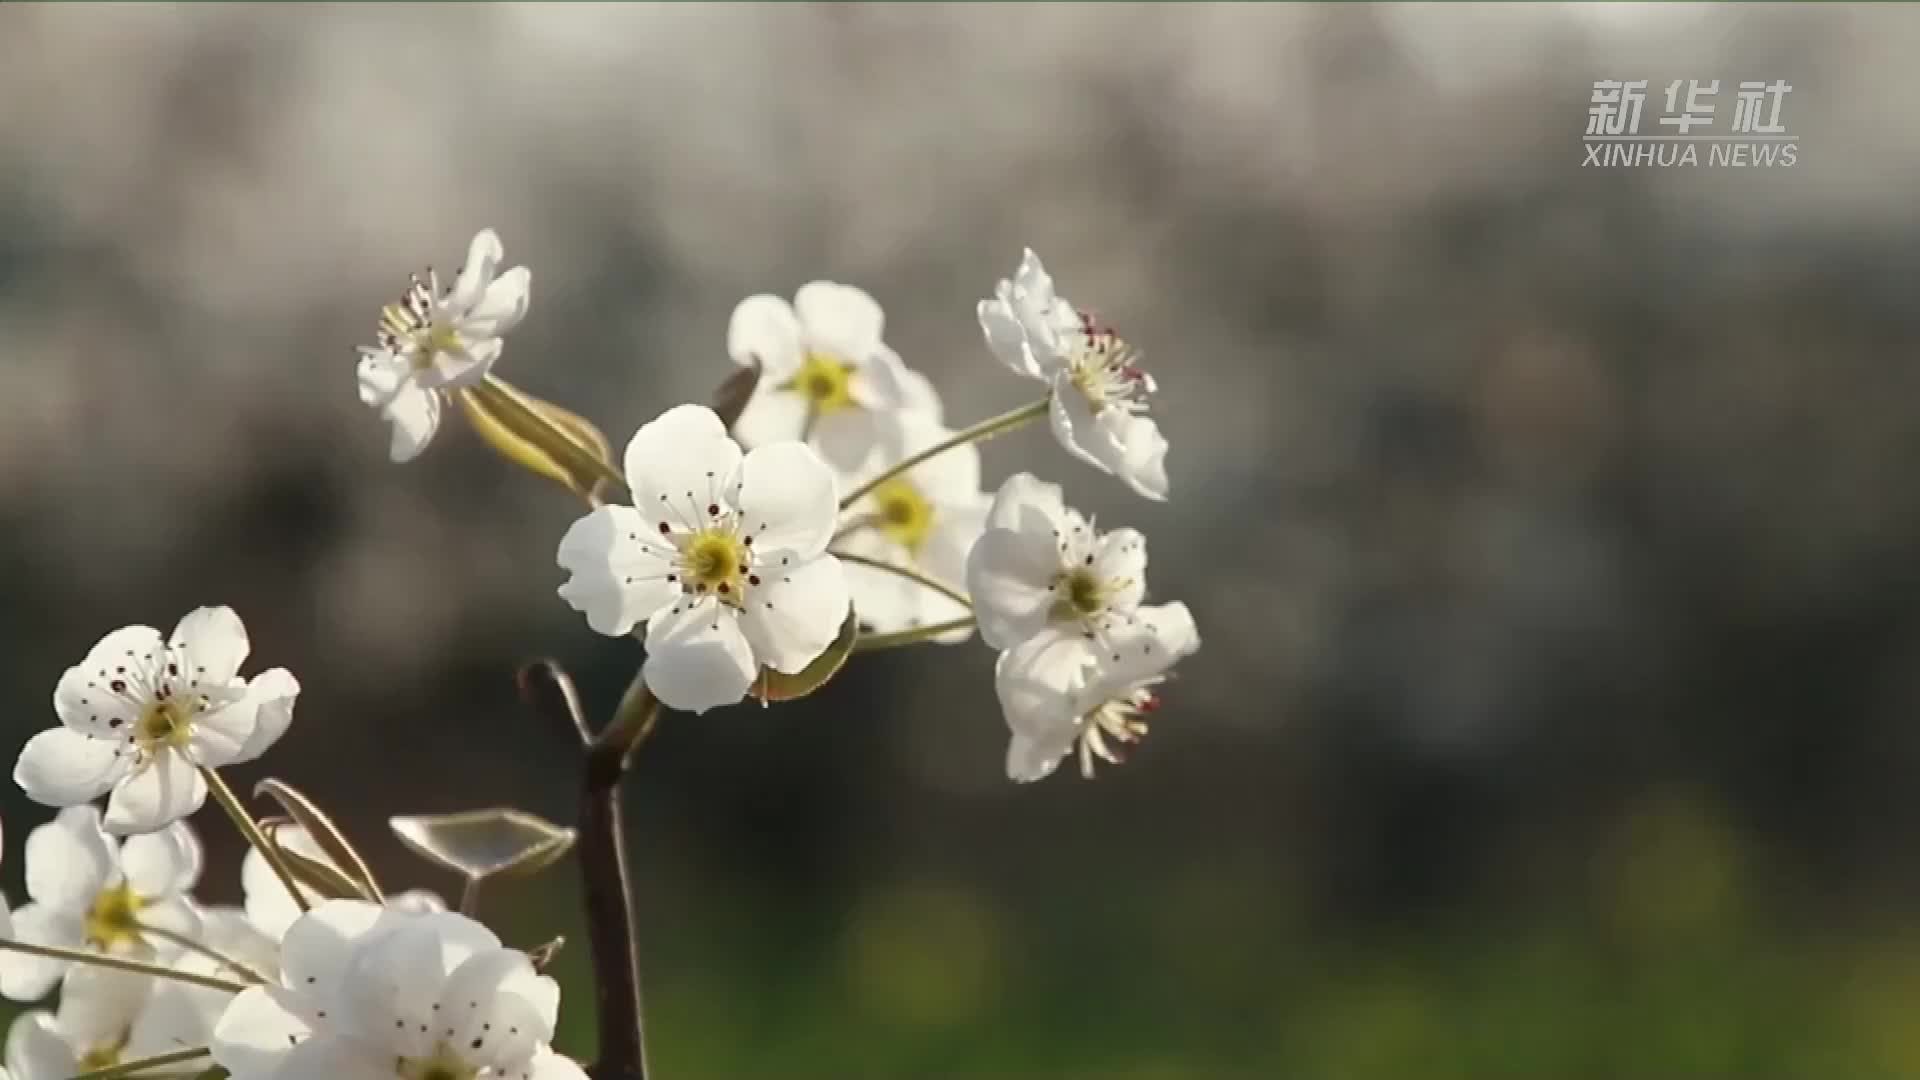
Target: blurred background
point(1554, 532)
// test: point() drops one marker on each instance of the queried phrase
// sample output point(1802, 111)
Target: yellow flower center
point(1081, 594)
point(101, 1057)
point(825, 382)
point(112, 919)
point(905, 515)
point(165, 723)
point(443, 1065)
point(714, 560)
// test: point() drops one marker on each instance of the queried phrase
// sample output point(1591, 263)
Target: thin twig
point(208, 951)
point(907, 572)
point(77, 956)
point(601, 850)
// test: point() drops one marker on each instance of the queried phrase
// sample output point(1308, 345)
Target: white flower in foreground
point(1099, 390)
point(1057, 695)
point(1043, 570)
point(179, 1014)
point(925, 519)
point(433, 340)
point(723, 556)
point(99, 1023)
point(366, 992)
point(271, 909)
point(141, 715)
point(822, 357)
point(90, 892)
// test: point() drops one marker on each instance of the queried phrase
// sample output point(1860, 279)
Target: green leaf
point(325, 833)
point(480, 844)
point(774, 686)
point(327, 880)
point(542, 437)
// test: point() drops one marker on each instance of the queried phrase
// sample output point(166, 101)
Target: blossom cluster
point(830, 509)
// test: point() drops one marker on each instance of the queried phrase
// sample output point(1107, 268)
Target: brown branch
point(601, 853)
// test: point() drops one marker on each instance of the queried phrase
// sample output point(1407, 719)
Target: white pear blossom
point(925, 519)
point(1042, 570)
point(366, 992)
point(179, 1014)
point(824, 371)
point(722, 556)
point(142, 714)
point(89, 891)
point(271, 909)
point(100, 1022)
point(1057, 695)
point(1099, 391)
point(434, 340)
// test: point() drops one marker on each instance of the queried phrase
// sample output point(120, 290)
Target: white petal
point(389, 989)
point(881, 386)
point(162, 863)
point(1007, 337)
point(460, 937)
point(1121, 557)
point(37, 1051)
point(69, 859)
point(950, 475)
point(167, 789)
point(918, 394)
point(175, 915)
point(29, 978)
point(1033, 281)
point(381, 374)
point(97, 1005)
point(114, 682)
point(840, 320)
point(846, 437)
point(1037, 681)
point(618, 567)
point(417, 902)
point(547, 1065)
point(464, 365)
point(1161, 636)
point(788, 501)
point(272, 694)
point(501, 307)
point(1073, 427)
point(1010, 579)
point(319, 944)
point(495, 1008)
point(218, 736)
point(679, 465)
point(414, 414)
point(944, 558)
point(1029, 505)
point(772, 415)
point(697, 658)
point(211, 644)
point(764, 329)
point(1030, 759)
point(1141, 458)
point(795, 612)
point(61, 767)
point(259, 1030)
point(483, 261)
point(328, 1057)
point(885, 602)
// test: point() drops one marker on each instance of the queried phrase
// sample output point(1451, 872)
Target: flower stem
point(250, 829)
point(81, 956)
point(985, 429)
point(915, 636)
point(606, 883)
point(907, 572)
point(129, 1068)
point(215, 955)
